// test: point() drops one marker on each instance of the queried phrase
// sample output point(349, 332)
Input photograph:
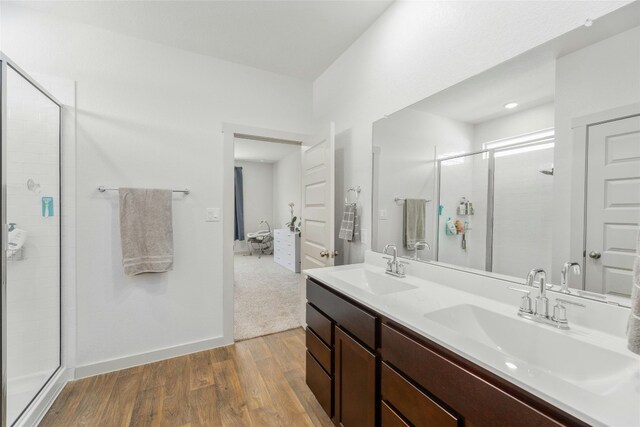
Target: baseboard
point(149, 357)
point(39, 407)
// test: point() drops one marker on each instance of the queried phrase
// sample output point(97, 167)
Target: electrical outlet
point(213, 214)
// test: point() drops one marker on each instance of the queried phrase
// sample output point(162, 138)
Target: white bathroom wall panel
point(595, 79)
point(149, 116)
point(287, 188)
point(407, 143)
point(416, 49)
point(523, 197)
point(523, 213)
point(258, 192)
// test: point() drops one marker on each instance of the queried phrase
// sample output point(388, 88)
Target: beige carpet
point(266, 297)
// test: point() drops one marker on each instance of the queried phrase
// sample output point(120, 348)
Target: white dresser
point(286, 250)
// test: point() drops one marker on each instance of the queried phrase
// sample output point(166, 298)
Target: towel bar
point(103, 189)
point(402, 199)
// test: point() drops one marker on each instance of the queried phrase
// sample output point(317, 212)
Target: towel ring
point(356, 190)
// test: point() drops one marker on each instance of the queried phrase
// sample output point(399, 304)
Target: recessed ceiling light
point(510, 105)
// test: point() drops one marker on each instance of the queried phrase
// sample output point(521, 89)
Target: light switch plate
point(364, 236)
point(382, 214)
point(213, 214)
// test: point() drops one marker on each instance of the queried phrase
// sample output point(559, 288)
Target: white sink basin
point(372, 282)
point(557, 353)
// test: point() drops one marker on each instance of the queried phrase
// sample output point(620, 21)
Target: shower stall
point(494, 206)
point(30, 122)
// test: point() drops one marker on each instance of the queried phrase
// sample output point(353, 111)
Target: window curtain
point(239, 205)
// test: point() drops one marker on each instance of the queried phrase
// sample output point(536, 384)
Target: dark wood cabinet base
point(382, 374)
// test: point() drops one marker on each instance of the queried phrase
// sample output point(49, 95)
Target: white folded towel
point(146, 230)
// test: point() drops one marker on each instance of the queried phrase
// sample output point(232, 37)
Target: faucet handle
point(525, 302)
point(389, 262)
point(400, 267)
point(560, 311)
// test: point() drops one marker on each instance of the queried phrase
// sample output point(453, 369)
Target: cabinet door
point(355, 375)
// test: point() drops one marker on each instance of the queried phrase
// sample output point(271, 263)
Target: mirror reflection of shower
point(511, 187)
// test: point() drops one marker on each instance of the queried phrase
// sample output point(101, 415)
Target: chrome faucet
point(564, 283)
point(542, 302)
point(394, 267)
point(419, 245)
point(540, 313)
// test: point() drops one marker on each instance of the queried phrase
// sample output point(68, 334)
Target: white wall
point(597, 78)
point(258, 192)
point(416, 49)
point(287, 188)
point(407, 143)
point(517, 123)
point(149, 115)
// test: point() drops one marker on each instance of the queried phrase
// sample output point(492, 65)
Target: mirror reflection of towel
point(413, 223)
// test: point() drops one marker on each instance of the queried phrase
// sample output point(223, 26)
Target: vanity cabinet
point(341, 339)
point(355, 383)
point(366, 370)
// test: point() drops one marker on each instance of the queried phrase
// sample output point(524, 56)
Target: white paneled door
point(613, 205)
point(318, 201)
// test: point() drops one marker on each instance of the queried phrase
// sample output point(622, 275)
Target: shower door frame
point(5, 64)
point(488, 263)
point(491, 153)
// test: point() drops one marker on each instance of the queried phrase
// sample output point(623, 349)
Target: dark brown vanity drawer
point(389, 417)
point(412, 403)
point(320, 384)
point(319, 350)
point(320, 324)
point(465, 392)
point(358, 322)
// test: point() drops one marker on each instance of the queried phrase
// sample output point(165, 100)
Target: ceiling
point(295, 38)
point(250, 150)
point(483, 97)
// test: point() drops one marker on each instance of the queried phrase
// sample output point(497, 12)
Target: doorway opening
point(266, 249)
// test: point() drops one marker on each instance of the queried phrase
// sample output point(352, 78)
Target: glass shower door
point(32, 204)
point(463, 209)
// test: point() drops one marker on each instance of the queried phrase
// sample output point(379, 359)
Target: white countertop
point(612, 406)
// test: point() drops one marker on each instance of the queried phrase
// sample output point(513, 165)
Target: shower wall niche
point(31, 214)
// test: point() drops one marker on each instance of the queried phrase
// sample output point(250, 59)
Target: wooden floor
point(258, 382)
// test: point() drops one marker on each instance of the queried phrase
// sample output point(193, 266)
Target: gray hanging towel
point(356, 227)
point(633, 328)
point(413, 223)
point(346, 226)
point(146, 230)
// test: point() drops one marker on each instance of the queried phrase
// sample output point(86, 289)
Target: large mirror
point(534, 163)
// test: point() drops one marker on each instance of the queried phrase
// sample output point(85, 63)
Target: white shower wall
point(33, 277)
